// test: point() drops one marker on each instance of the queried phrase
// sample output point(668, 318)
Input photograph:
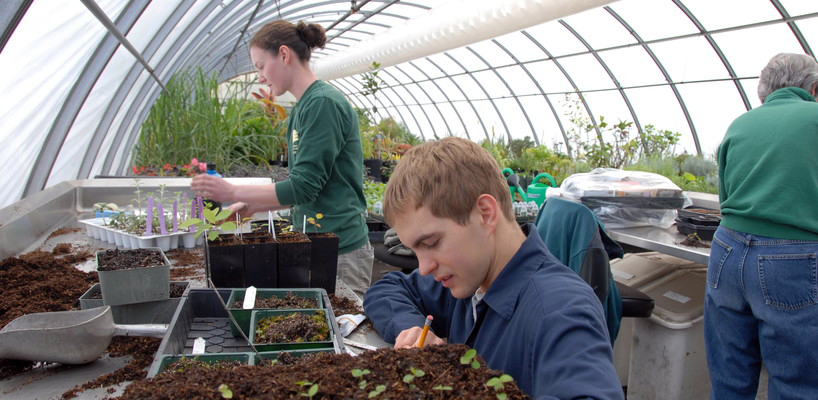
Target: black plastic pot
point(294, 255)
point(260, 260)
point(224, 263)
point(373, 166)
point(323, 260)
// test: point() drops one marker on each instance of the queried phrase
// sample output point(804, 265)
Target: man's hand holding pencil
point(418, 337)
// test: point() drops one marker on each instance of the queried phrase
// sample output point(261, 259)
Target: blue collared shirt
point(538, 322)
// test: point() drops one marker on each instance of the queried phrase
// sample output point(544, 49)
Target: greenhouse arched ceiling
point(78, 78)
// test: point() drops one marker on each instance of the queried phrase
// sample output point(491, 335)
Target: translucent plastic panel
point(428, 68)
point(410, 121)
point(751, 87)
point(452, 119)
point(398, 73)
point(492, 84)
point(491, 53)
point(549, 76)
point(415, 74)
point(388, 76)
point(728, 13)
point(38, 51)
point(521, 47)
point(599, 29)
point(467, 59)
point(175, 35)
point(652, 19)
point(452, 91)
point(567, 109)
point(543, 119)
point(658, 106)
point(713, 106)
point(417, 93)
point(514, 118)
point(437, 123)
point(809, 29)
point(749, 50)
point(519, 81)
point(433, 92)
point(633, 66)
point(446, 63)
point(556, 39)
point(476, 130)
point(492, 121)
point(423, 121)
point(690, 59)
point(404, 95)
point(609, 105)
point(586, 72)
point(800, 7)
point(469, 87)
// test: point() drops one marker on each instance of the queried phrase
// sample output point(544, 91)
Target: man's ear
point(488, 210)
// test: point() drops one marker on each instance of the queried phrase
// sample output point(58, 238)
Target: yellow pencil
point(426, 326)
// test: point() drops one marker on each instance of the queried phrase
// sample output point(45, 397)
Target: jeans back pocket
point(788, 281)
point(719, 251)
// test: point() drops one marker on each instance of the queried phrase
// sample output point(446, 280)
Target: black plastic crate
point(700, 216)
point(200, 314)
point(705, 232)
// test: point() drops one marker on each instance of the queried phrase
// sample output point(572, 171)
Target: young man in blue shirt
point(487, 282)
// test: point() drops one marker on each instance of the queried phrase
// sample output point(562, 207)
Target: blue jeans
point(761, 304)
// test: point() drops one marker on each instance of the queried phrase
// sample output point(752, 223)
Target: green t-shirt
point(768, 168)
point(326, 166)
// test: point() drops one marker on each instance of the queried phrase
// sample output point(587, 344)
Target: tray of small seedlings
point(202, 332)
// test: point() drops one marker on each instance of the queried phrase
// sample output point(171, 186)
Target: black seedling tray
point(700, 216)
point(705, 232)
point(200, 314)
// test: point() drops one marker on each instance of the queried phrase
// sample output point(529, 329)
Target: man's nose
point(426, 265)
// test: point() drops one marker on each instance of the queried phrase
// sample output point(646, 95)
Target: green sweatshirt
point(326, 166)
point(768, 168)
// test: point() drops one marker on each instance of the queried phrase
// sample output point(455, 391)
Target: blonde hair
point(447, 176)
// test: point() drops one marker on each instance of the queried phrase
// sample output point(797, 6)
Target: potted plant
point(294, 259)
point(323, 257)
point(133, 275)
point(270, 299)
point(290, 330)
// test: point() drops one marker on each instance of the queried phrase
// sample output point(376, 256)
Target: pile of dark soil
point(432, 372)
point(114, 260)
point(343, 305)
point(289, 301)
point(693, 240)
point(39, 282)
point(293, 328)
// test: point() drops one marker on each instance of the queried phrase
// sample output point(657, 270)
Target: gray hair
point(788, 70)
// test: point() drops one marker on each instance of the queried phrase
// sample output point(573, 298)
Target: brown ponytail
point(300, 38)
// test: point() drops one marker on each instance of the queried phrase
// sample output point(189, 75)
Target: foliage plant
point(313, 328)
point(190, 120)
point(358, 373)
point(213, 222)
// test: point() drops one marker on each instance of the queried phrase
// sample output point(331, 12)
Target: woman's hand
point(411, 337)
point(211, 187)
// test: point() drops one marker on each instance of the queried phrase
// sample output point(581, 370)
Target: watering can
point(536, 190)
point(514, 184)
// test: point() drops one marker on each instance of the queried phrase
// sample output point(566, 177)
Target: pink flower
point(194, 161)
point(203, 166)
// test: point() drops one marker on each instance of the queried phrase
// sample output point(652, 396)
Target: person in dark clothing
point(487, 282)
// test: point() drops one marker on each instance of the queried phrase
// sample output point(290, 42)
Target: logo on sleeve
point(295, 142)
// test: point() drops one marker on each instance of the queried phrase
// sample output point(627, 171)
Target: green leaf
point(228, 226)
point(475, 364)
point(212, 235)
point(210, 215)
point(466, 359)
point(226, 392)
point(223, 214)
point(408, 378)
point(501, 396)
point(689, 177)
point(506, 378)
point(313, 390)
point(493, 382)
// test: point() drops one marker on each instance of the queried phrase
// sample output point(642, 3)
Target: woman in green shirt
point(324, 148)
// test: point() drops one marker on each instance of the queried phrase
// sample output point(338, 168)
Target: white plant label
point(676, 296)
point(249, 298)
point(622, 274)
point(199, 346)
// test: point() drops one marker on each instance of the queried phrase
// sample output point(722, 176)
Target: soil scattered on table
point(343, 305)
point(142, 350)
point(693, 240)
point(62, 231)
point(115, 260)
point(436, 373)
point(186, 257)
point(39, 282)
point(289, 301)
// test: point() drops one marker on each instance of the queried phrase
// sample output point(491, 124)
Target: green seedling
point(357, 373)
point(212, 220)
point(468, 358)
point(312, 388)
point(442, 387)
point(413, 373)
point(378, 390)
point(226, 392)
point(498, 383)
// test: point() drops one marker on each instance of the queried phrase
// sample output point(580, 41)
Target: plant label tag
point(249, 298)
point(199, 346)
